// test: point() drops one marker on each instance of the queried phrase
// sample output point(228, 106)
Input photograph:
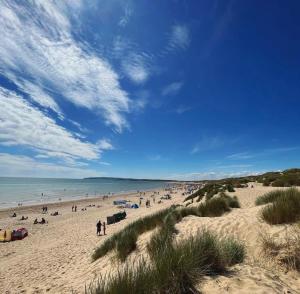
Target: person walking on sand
point(104, 228)
point(75, 208)
point(98, 225)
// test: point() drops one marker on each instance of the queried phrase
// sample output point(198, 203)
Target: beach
point(56, 257)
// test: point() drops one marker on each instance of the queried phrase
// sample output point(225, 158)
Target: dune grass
point(177, 269)
point(125, 241)
point(269, 197)
point(284, 209)
point(287, 251)
point(233, 202)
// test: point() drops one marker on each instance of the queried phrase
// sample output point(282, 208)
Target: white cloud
point(172, 89)
point(37, 42)
point(38, 95)
point(180, 37)
point(25, 125)
point(18, 165)
point(104, 144)
point(136, 68)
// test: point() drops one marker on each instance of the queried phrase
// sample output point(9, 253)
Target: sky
point(149, 89)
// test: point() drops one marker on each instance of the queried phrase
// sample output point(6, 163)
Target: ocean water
point(30, 191)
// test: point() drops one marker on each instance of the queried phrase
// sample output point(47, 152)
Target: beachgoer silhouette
point(104, 228)
point(98, 225)
point(75, 208)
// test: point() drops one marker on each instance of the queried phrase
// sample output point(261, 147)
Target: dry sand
point(56, 257)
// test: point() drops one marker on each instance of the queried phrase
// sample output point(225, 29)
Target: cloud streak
point(38, 44)
point(172, 89)
point(179, 38)
point(26, 125)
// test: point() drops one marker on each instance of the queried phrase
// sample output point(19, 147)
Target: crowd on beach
point(144, 199)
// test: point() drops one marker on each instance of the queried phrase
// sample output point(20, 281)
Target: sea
point(29, 191)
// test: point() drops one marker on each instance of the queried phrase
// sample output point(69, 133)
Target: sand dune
point(56, 257)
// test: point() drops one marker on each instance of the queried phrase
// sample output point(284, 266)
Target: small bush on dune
point(284, 209)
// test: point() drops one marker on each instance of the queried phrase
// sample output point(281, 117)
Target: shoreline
point(78, 201)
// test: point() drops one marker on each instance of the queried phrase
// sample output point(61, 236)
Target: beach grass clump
point(124, 242)
point(213, 207)
point(269, 197)
point(284, 209)
point(176, 269)
point(286, 252)
point(233, 202)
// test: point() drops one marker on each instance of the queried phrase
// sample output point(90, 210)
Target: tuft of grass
point(269, 197)
point(213, 207)
point(233, 202)
point(286, 252)
point(284, 209)
point(176, 269)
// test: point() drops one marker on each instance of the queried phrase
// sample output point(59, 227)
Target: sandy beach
point(56, 257)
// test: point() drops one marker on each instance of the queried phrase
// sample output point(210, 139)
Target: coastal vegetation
point(284, 206)
point(285, 251)
point(286, 178)
point(124, 242)
point(177, 269)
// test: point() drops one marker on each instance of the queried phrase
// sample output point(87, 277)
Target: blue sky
point(149, 89)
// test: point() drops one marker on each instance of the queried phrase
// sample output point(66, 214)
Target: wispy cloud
point(211, 175)
point(265, 152)
point(182, 109)
point(18, 165)
point(126, 16)
point(136, 68)
point(172, 89)
point(155, 157)
point(179, 37)
point(241, 155)
point(37, 42)
point(26, 125)
point(207, 143)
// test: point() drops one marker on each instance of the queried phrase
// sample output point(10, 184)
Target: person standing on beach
point(75, 208)
point(104, 228)
point(98, 225)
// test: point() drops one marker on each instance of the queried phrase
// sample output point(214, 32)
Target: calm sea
point(35, 190)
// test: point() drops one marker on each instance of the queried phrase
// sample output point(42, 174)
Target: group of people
point(44, 209)
point(99, 227)
point(74, 208)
